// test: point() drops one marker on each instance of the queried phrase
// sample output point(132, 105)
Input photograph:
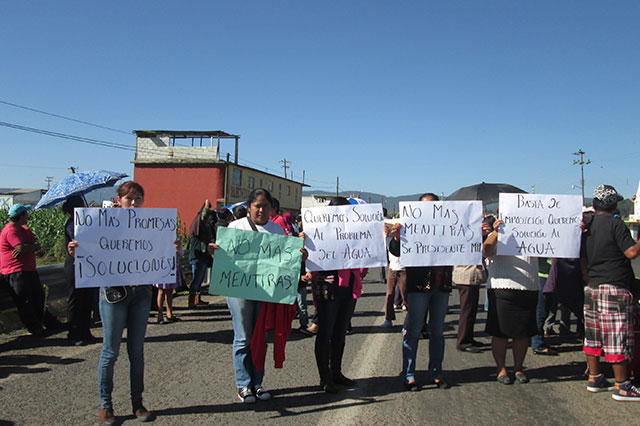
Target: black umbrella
point(488, 193)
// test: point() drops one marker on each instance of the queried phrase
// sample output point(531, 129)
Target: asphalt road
point(189, 379)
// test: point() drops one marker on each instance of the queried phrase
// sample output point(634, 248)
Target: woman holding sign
point(244, 313)
point(335, 294)
point(122, 307)
point(428, 289)
point(513, 298)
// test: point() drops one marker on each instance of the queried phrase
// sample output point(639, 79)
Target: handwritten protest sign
point(256, 266)
point(540, 225)
point(344, 237)
point(438, 233)
point(124, 246)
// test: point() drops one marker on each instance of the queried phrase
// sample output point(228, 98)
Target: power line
point(70, 137)
point(109, 144)
point(22, 166)
point(64, 118)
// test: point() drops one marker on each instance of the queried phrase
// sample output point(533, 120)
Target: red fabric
point(10, 237)
point(280, 221)
point(273, 316)
point(344, 275)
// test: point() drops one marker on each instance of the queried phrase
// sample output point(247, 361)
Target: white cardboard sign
point(119, 247)
point(344, 237)
point(439, 233)
point(540, 225)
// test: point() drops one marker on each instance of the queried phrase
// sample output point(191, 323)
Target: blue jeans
point(420, 304)
point(133, 312)
point(537, 341)
point(301, 299)
point(199, 269)
point(244, 314)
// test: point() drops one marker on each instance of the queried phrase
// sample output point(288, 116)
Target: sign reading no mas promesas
point(256, 266)
point(344, 237)
point(438, 233)
point(540, 225)
point(124, 246)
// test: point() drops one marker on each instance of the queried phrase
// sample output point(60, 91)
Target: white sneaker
point(246, 395)
point(261, 393)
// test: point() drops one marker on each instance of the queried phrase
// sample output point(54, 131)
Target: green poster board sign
point(256, 266)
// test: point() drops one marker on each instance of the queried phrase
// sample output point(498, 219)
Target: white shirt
point(514, 273)
point(269, 227)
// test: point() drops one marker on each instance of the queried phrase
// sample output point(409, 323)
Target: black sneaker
point(246, 395)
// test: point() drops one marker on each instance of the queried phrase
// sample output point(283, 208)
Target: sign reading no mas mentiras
point(256, 266)
point(124, 246)
point(438, 233)
point(540, 225)
point(344, 237)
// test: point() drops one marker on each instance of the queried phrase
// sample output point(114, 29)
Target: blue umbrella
point(78, 184)
point(354, 200)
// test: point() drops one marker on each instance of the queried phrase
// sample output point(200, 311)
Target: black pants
point(28, 295)
point(79, 306)
point(334, 316)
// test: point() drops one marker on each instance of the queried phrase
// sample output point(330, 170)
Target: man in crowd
point(607, 248)
point(18, 248)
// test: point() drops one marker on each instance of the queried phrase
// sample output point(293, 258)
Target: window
point(288, 190)
point(251, 182)
point(269, 186)
point(236, 179)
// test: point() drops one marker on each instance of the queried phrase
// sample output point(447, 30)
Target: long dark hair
point(253, 195)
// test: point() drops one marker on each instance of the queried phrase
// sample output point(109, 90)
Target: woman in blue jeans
point(133, 313)
point(244, 313)
point(428, 290)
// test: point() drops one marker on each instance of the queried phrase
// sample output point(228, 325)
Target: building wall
point(158, 149)
point(289, 193)
point(184, 187)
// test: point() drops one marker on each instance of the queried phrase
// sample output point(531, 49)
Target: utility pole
point(581, 153)
point(48, 180)
point(304, 172)
point(338, 186)
point(285, 166)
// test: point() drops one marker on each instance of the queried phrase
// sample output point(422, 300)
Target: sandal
point(504, 379)
point(545, 351)
point(173, 318)
point(411, 385)
point(442, 384)
point(521, 377)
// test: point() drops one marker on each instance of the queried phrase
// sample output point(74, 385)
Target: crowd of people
point(523, 295)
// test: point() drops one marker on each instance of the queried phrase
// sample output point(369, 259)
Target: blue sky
point(392, 97)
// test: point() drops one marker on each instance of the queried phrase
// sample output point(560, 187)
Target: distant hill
point(391, 203)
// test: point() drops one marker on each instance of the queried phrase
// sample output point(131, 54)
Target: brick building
point(184, 174)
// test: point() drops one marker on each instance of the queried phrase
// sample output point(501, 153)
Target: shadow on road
point(294, 401)
point(20, 364)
